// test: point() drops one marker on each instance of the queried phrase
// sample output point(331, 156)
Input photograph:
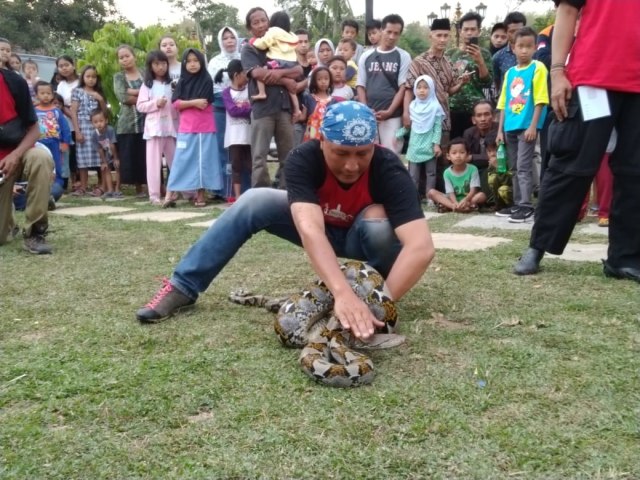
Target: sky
point(149, 12)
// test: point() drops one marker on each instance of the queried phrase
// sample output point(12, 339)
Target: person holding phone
point(473, 62)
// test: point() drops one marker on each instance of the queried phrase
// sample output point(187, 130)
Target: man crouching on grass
point(345, 197)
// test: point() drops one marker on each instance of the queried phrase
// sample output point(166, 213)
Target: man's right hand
point(561, 91)
point(354, 315)
point(9, 164)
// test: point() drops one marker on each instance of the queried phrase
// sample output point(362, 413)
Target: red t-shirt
point(340, 206)
point(605, 53)
point(7, 110)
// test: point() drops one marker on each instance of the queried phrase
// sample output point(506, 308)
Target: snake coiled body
point(305, 320)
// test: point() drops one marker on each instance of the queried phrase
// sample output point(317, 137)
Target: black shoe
point(52, 204)
point(166, 302)
point(506, 212)
point(529, 262)
point(521, 215)
point(627, 273)
point(36, 243)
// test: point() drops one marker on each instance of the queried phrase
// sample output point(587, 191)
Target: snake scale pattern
point(305, 320)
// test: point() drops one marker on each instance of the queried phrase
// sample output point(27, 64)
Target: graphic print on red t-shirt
point(340, 206)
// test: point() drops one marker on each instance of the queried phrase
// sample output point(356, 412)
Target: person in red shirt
point(20, 160)
point(577, 145)
point(345, 197)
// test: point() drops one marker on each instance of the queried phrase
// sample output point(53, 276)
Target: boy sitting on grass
point(461, 180)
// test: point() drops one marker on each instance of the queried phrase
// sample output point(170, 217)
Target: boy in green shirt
point(461, 180)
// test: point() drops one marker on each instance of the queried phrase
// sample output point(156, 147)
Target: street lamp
point(444, 10)
point(458, 15)
point(481, 9)
point(432, 16)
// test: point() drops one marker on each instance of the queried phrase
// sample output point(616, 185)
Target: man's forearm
point(29, 140)
point(309, 222)
point(566, 18)
point(275, 77)
point(398, 100)
point(414, 257)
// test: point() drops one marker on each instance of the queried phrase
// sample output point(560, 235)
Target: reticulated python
point(305, 320)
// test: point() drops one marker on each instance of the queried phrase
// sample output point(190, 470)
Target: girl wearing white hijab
point(426, 131)
point(229, 50)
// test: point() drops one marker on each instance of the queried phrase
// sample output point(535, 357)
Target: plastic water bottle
point(502, 159)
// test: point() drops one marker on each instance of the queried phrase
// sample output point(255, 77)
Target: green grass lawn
point(501, 377)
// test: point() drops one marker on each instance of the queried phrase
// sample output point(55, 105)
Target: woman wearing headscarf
point(324, 50)
point(229, 44)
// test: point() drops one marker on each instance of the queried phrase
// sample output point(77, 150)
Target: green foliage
point(48, 26)
point(101, 52)
point(209, 18)
point(323, 18)
point(540, 22)
point(414, 39)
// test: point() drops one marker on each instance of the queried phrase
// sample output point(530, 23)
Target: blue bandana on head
point(349, 123)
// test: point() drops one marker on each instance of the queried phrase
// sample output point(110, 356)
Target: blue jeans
point(20, 200)
point(370, 240)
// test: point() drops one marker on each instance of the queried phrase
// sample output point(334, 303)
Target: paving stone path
point(442, 240)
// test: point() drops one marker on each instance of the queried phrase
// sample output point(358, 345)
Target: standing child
point(320, 88)
point(154, 100)
point(461, 180)
point(30, 73)
point(103, 140)
point(426, 116)
point(280, 45)
point(15, 63)
point(522, 108)
point(374, 32)
point(237, 135)
point(196, 165)
point(54, 129)
point(338, 68)
point(58, 102)
point(86, 98)
point(131, 145)
point(68, 81)
point(347, 50)
point(169, 47)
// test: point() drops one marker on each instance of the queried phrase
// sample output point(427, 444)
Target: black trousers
point(577, 148)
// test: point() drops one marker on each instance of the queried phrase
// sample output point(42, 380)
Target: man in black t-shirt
point(346, 197)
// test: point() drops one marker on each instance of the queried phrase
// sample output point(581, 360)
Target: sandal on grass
point(97, 192)
point(79, 192)
point(199, 203)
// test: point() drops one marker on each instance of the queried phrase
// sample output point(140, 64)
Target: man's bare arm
point(274, 77)
point(415, 256)
point(350, 310)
